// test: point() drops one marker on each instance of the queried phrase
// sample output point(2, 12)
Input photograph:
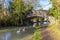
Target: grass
point(37, 34)
point(55, 30)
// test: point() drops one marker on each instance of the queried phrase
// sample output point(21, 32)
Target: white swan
point(18, 31)
point(24, 29)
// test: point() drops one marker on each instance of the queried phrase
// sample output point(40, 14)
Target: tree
point(55, 10)
point(18, 10)
point(3, 5)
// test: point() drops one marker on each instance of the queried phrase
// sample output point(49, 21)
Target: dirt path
point(45, 32)
point(50, 33)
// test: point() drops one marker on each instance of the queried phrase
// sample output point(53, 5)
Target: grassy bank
point(37, 34)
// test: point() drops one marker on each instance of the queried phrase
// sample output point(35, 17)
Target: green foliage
point(18, 10)
point(37, 34)
point(55, 10)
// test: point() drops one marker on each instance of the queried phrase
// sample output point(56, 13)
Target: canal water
point(16, 34)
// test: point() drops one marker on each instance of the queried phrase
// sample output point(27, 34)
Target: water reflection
point(6, 36)
point(17, 34)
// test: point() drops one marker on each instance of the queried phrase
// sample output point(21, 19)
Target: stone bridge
point(37, 13)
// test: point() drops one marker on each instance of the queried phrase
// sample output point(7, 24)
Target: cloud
point(47, 7)
point(45, 4)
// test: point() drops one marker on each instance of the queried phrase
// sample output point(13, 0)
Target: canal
point(18, 33)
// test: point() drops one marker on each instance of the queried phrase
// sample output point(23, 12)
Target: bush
point(37, 34)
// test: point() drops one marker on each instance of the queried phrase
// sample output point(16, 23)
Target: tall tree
point(55, 10)
point(18, 9)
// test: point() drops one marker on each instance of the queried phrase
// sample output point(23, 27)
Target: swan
point(18, 31)
point(24, 29)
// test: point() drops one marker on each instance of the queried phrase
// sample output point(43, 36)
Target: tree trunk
point(3, 6)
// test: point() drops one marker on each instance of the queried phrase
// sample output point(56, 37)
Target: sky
point(44, 3)
point(6, 3)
